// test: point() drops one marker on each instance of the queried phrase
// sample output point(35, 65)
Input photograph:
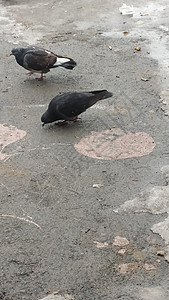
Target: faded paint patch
point(115, 144)
point(120, 241)
point(101, 245)
point(128, 267)
point(149, 267)
point(8, 135)
point(58, 297)
point(155, 293)
point(162, 229)
point(153, 200)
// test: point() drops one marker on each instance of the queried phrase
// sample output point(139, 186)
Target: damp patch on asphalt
point(154, 200)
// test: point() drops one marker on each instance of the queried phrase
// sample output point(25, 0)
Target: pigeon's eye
point(14, 51)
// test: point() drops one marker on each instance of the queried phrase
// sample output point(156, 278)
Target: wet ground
point(84, 207)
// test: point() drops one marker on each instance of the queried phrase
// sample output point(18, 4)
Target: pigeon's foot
point(76, 118)
point(61, 123)
point(40, 78)
point(30, 73)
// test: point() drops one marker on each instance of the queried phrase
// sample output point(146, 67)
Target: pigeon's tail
point(102, 94)
point(65, 62)
point(69, 64)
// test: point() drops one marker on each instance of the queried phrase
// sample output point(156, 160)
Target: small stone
point(167, 258)
point(144, 79)
point(161, 253)
point(97, 185)
point(137, 48)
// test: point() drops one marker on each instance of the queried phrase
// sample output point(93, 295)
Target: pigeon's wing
point(39, 59)
point(70, 105)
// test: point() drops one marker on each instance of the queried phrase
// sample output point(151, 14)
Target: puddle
point(16, 32)
point(148, 23)
point(153, 200)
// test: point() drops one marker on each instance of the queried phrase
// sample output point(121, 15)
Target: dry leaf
point(137, 48)
point(144, 79)
point(125, 32)
point(167, 258)
point(144, 14)
point(101, 245)
point(161, 253)
point(121, 251)
point(53, 293)
point(148, 267)
point(120, 241)
point(124, 268)
point(157, 245)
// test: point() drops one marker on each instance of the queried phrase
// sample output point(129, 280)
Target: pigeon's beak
point(11, 54)
point(43, 124)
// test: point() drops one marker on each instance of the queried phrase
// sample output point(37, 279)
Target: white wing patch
point(48, 52)
point(61, 60)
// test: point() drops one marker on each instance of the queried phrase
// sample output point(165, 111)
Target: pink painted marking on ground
point(8, 135)
point(120, 241)
point(115, 144)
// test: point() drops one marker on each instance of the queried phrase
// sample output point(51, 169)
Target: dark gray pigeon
point(69, 105)
point(39, 60)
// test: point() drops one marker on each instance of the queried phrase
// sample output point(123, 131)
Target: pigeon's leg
point(40, 78)
point(76, 118)
point(30, 73)
point(61, 123)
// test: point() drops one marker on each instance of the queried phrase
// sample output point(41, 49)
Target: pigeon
point(68, 106)
point(39, 60)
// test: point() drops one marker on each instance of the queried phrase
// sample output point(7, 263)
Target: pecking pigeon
point(69, 105)
point(39, 60)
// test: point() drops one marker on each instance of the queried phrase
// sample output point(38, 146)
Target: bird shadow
point(48, 80)
point(69, 125)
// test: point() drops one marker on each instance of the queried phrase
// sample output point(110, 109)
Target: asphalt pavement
point(84, 206)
